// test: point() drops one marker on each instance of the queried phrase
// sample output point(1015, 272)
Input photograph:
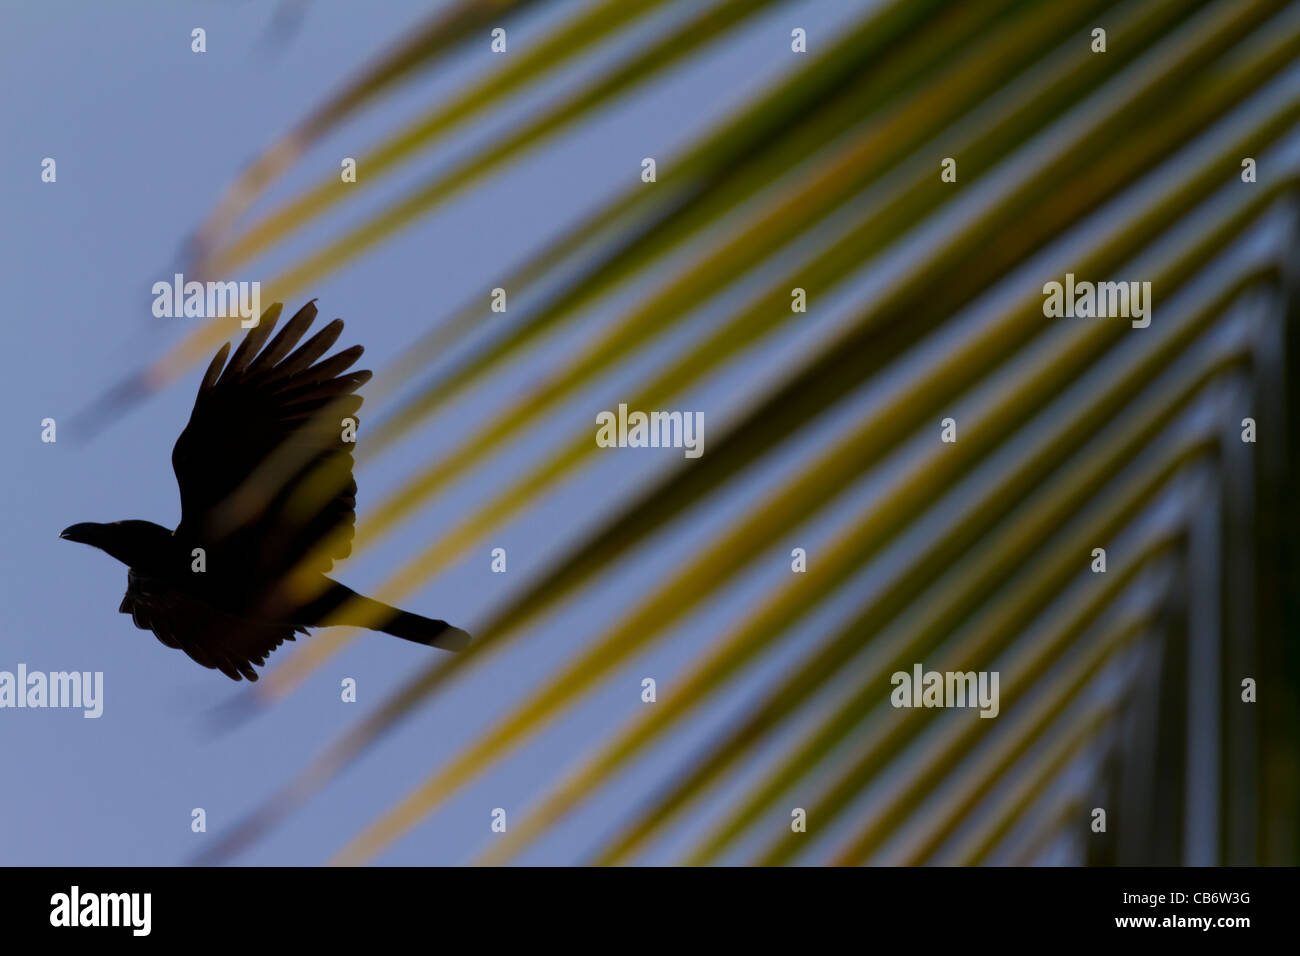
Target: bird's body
point(267, 504)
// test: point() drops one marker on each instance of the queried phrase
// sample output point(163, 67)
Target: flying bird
point(268, 503)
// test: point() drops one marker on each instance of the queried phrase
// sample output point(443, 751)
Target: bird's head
point(134, 543)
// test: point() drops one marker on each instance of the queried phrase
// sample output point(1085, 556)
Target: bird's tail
point(424, 630)
point(362, 611)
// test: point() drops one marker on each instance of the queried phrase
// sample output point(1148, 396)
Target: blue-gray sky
point(146, 135)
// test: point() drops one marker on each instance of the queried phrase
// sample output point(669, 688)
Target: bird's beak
point(84, 533)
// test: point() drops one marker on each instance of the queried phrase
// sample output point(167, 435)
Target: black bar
point(617, 907)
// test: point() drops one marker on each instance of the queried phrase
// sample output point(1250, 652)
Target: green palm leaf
point(827, 176)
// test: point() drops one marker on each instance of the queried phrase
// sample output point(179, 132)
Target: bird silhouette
point(268, 503)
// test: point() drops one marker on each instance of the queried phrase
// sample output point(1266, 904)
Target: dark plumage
point(266, 489)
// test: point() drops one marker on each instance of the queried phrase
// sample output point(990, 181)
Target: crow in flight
point(258, 417)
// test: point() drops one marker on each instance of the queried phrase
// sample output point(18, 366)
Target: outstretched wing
point(265, 478)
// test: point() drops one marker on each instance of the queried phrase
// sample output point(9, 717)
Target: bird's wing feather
point(211, 637)
point(263, 479)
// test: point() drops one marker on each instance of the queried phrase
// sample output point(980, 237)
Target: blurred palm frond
point(1073, 434)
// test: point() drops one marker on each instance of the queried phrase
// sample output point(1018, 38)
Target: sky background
point(147, 135)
